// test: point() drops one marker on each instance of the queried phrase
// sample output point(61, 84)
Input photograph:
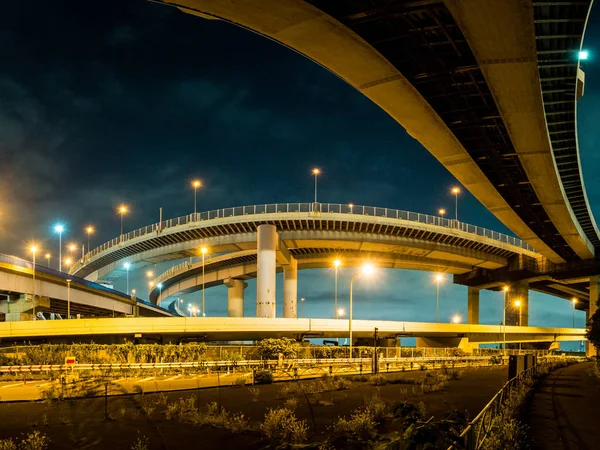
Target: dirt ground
point(81, 423)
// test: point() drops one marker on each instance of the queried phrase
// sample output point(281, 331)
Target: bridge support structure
point(235, 297)
point(290, 290)
point(590, 350)
point(267, 242)
point(473, 306)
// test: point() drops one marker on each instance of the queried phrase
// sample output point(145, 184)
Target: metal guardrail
point(477, 431)
point(309, 208)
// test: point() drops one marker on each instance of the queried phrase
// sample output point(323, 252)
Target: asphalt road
point(563, 413)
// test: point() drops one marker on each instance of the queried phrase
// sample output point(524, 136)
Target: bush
point(271, 348)
point(141, 443)
point(179, 409)
point(34, 441)
point(8, 444)
point(378, 380)
point(291, 403)
point(281, 426)
point(254, 392)
point(356, 433)
point(239, 382)
point(506, 432)
point(263, 377)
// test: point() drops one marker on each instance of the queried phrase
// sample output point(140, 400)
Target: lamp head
point(456, 318)
point(337, 263)
point(123, 209)
point(341, 312)
point(47, 255)
point(442, 211)
point(59, 228)
point(33, 249)
point(574, 300)
point(196, 184)
point(505, 288)
point(351, 205)
point(439, 277)
point(159, 285)
point(149, 274)
point(127, 266)
point(583, 55)
point(518, 303)
point(316, 171)
point(204, 250)
point(68, 261)
point(456, 190)
point(89, 230)
point(368, 269)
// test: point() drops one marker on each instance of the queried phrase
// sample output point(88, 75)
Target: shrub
point(263, 377)
point(141, 443)
point(456, 374)
point(326, 403)
point(343, 383)
point(8, 444)
point(291, 403)
point(178, 409)
point(376, 407)
point(239, 382)
point(377, 380)
point(34, 441)
point(288, 389)
point(281, 426)
point(505, 433)
point(254, 392)
point(272, 347)
point(236, 423)
point(356, 433)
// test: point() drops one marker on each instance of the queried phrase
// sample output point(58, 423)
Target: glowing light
point(33, 248)
point(159, 285)
point(68, 261)
point(196, 184)
point(72, 247)
point(456, 318)
point(439, 278)
point(59, 228)
point(316, 171)
point(583, 55)
point(442, 212)
point(149, 274)
point(505, 288)
point(574, 300)
point(151, 284)
point(341, 312)
point(518, 303)
point(89, 229)
point(337, 263)
point(204, 250)
point(455, 190)
point(133, 292)
point(368, 269)
point(47, 256)
point(127, 266)
point(123, 209)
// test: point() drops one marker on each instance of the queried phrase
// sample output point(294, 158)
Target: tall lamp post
point(442, 212)
point(505, 289)
point(455, 191)
point(127, 267)
point(122, 211)
point(48, 259)
point(59, 229)
point(196, 184)
point(316, 173)
point(302, 303)
point(68, 298)
point(574, 301)
point(204, 251)
point(89, 230)
point(438, 279)
point(33, 249)
point(367, 269)
point(336, 265)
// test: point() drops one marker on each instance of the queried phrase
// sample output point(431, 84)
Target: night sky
point(131, 100)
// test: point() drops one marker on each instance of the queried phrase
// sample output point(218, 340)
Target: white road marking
point(147, 379)
point(12, 385)
point(173, 378)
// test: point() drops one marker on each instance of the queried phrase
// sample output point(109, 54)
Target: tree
point(271, 348)
point(593, 327)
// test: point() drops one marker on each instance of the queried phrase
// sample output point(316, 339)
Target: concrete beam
point(235, 297)
point(290, 290)
point(267, 240)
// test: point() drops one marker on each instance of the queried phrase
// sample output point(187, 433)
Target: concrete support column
point(473, 306)
point(290, 290)
point(266, 267)
point(235, 297)
point(518, 291)
point(590, 350)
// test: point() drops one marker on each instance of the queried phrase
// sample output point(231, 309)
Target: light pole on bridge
point(316, 173)
point(455, 191)
point(574, 301)
point(336, 265)
point(204, 251)
point(367, 269)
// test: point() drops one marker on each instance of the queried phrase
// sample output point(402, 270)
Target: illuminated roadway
point(497, 109)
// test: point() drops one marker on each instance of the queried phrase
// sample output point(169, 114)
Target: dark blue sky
point(130, 100)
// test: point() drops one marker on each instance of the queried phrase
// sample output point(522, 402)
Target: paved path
point(564, 412)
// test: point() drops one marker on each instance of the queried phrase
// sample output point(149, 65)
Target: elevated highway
point(224, 328)
point(497, 109)
point(54, 290)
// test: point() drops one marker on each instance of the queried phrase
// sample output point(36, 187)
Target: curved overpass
point(429, 240)
point(497, 109)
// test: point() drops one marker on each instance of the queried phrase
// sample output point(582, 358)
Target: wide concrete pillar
point(235, 297)
point(290, 290)
point(267, 269)
point(473, 306)
point(518, 291)
point(590, 350)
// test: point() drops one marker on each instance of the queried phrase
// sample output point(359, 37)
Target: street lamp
point(59, 229)
point(438, 279)
point(204, 251)
point(68, 298)
point(47, 256)
point(89, 230)
point(574, 301)
point(302, 303)
point(196, 184)
point(33, 249)
point(316, 173)
point(442, 212)
point(122, 211)
point(149, 274)
point(72, 247)
point(336, 265)
point(455, 191)
point(505, 289)
point(340, 312)
point(456, 317)
point(159, 286)
point(583, 55)
point(127, 266)
point(367, 269)
point(68, 262)
point(351, 206)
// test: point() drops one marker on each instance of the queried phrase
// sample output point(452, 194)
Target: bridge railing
point(315, 209)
